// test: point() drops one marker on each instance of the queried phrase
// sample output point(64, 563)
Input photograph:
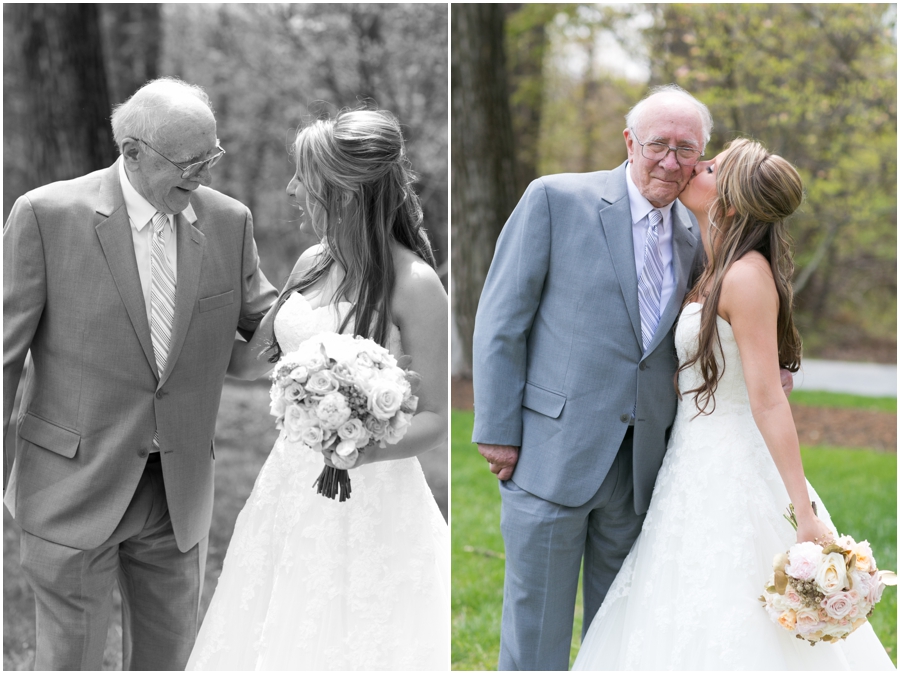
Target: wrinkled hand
point(501, 458)
point(787, 382)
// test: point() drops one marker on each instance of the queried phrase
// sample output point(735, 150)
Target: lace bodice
point(298, 320)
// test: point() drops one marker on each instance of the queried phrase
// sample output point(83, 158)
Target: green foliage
point(859, 488)
point(815, 83)
point(843, 400)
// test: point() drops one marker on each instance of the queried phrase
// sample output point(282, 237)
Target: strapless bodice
point(731, 391)
point(297, 320)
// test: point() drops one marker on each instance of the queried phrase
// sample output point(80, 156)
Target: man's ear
point(629, 144)
point(131, 152)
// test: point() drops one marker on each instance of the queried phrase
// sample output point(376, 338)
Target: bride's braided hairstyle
point(360, 197)
point(760, 190)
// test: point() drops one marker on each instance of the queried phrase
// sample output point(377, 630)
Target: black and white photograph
point(225, 315)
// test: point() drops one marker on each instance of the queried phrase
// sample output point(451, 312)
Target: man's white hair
point(142, 115)
point(633, 118)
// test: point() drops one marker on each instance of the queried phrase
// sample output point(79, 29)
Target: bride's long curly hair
point(756, 192)
point(360, 198)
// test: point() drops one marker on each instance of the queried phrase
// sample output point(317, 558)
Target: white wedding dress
point(687, 594)
point(310, 583)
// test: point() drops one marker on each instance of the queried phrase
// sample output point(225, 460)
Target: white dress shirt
point(640, 224)
point(140, 213)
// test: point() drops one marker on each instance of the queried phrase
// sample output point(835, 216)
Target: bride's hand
point(814, 530)
point(361, 458)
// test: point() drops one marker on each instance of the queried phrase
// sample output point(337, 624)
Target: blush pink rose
point(841, 605)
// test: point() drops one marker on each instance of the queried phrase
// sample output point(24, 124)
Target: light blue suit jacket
point(557, 358)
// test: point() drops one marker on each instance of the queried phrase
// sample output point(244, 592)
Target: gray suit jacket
point(557, 356)
point(94, 397)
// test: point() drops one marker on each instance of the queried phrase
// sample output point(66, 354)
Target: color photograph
point(674, 302)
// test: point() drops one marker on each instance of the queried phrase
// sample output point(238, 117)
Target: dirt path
point(815, 425)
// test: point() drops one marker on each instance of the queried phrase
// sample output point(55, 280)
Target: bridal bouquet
point(341, 393)
point(823, 593)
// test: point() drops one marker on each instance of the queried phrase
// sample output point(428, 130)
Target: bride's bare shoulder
point(748, 285)
point(416, 285)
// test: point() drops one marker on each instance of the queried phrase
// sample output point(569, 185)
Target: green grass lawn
point(859, 487)
point(843, 400)
point(245, 433)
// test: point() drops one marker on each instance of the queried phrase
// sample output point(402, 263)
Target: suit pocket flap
point(216, 301)
point(543, 401)
point(49, 436)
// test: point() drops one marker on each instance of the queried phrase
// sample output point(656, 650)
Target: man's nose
point(204, 177)
point(669, 162)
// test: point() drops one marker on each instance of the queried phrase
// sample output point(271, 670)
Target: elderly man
point(573, 364)
point(127, 285)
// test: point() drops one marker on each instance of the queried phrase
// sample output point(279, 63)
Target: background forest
point(541, 88)
point(268, 68)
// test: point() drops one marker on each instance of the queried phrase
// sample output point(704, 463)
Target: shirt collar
point(139, 209)
point(640, 207)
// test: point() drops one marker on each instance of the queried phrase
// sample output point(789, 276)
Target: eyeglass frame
point(670, 148)
point(186, 171)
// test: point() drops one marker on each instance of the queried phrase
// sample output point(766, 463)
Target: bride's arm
point(250, 360)
point(749, 302)
point(420, 311)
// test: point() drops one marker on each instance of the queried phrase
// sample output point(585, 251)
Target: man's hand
point(787, 382)
point(501, 458)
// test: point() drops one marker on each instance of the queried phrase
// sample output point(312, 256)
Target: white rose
point(313, 436)
point(354, 431)
point(831, 576)
point(294, 392)
point(300, 374)
point(385, 399)
point(322, 383)
point(294, 421)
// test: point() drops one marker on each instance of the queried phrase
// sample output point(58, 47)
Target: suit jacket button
point(160, 394)
point(625, 418)
point(643, 366)
point(143, 452)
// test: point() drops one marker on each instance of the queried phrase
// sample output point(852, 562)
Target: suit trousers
point(160, 586)
point(545, 543)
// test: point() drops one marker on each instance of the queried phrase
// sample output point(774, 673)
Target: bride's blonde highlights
point(360, 196)
point(755, 192)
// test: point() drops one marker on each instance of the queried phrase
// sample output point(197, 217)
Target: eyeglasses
point(191, 170)
point(686, 156)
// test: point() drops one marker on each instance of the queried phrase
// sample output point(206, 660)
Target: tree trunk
point(133, 41)
point(482, 154)
point(60, 91)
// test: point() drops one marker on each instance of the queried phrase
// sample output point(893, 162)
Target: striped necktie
point(162, 293)
point(650, 283)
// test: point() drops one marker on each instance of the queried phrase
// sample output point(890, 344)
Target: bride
point(687, 595)
point(311, 583)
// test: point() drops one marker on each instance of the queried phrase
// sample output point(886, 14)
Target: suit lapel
point(615, 216)
point(114, 233)
point(190, 246)
point(683, 249)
